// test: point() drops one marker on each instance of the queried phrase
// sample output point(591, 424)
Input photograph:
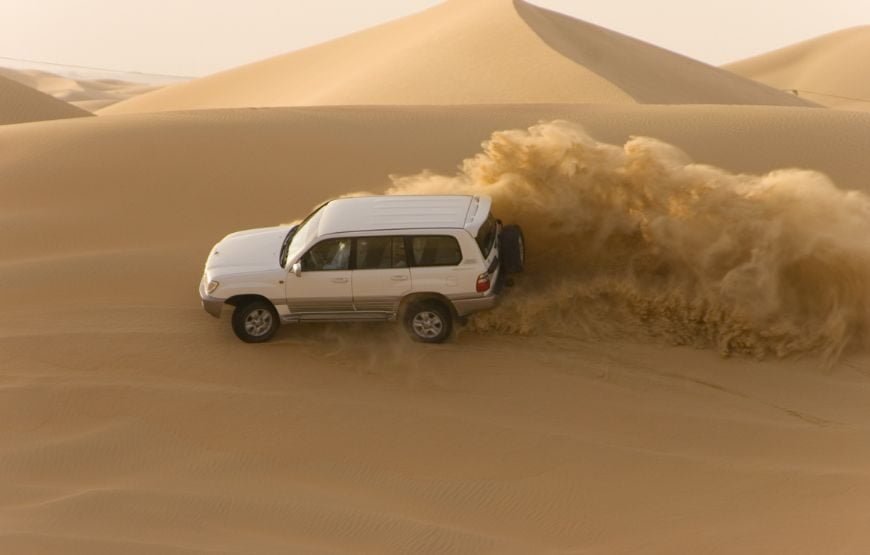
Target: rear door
point(381, 276)
point(436, 265)
point(324, 286)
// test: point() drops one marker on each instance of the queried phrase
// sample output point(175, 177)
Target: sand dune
point(87, 94)
point(468, 52)
point(822, 69)
point(131, 421)
point(20, 103)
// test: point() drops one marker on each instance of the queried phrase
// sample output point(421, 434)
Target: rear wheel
point(255, 322)
point(512, 249)
point(428, 322)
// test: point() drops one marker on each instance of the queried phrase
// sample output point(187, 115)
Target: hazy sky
point(197, 37)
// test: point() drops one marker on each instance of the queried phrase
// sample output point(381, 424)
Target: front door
point(381, 276)
point(325, 285)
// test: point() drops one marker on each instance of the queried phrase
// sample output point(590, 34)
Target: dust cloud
point(638, 239)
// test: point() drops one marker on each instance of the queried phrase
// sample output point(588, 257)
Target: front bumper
point(211, 305)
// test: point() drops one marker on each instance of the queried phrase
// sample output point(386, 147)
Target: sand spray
point(638, 239)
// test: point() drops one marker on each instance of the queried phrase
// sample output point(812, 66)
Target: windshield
point(299, 235)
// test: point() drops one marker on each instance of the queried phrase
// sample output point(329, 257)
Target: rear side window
point(435, 250)
point(486, 236)
point(377, 253)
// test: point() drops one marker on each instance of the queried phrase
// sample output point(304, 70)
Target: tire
point(428, 322)
point(512, 249)
point(255, 322)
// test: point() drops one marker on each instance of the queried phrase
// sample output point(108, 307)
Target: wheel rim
point(522, 248)
point(258, 322)
point(427, 324)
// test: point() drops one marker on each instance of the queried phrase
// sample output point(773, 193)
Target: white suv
point(426, 260)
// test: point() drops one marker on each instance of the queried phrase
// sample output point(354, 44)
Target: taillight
point(483, 283)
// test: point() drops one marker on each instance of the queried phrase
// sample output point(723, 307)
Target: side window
point(399, 258)
point(380, 253)
point(332, 254)
point(435, 250)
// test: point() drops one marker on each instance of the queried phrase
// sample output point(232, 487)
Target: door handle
point(339, 280)
point(399, 278)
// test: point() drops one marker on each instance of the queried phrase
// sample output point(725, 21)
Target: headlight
point(212, 285)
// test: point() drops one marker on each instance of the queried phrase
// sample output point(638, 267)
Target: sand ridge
point(87, 94)
point(467, 52)
point(821, 69)
point(20, 103)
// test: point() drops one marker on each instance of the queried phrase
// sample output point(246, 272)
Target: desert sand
point(822, 69)
point(568, 420)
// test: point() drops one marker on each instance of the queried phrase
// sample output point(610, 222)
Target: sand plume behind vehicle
point(639, 238)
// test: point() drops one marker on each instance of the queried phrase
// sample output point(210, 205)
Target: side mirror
point(296, 268)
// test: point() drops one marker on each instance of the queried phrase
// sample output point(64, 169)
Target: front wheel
point(255, 322)
point(428, 322)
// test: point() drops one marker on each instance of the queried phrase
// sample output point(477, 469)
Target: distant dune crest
point(825, 69)
point(20, 104)
point(468, 52)
point(87, 94)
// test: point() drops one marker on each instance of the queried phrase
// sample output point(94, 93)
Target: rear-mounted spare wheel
point(512, 249)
